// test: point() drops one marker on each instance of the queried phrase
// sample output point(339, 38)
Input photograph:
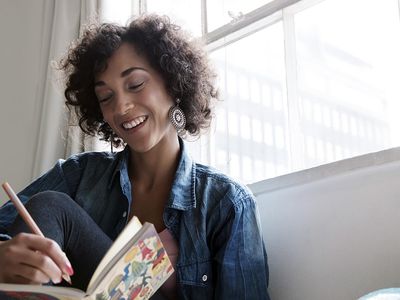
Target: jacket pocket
point(196, 274)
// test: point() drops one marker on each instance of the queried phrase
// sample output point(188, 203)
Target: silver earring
point(177, 116)
point(112, 142)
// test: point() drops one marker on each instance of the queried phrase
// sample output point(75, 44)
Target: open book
point(134, 267)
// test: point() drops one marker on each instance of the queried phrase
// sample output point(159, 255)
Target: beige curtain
point(76, 140)
point(62, 24)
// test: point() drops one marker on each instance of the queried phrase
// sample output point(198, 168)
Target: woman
point(144, 86)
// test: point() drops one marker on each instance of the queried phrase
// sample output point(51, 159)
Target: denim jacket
point(213, 218)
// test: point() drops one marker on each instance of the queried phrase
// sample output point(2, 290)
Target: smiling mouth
point(134, 123)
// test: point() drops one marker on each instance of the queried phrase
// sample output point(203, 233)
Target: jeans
point(61, 219)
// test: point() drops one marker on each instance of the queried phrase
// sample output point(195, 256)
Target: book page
point(39, 292)
point(126, 234)
point(142, 268)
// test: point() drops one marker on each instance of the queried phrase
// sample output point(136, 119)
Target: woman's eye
point(135, 86)
point(103, 99)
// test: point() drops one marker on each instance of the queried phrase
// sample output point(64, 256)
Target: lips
point(133, 123)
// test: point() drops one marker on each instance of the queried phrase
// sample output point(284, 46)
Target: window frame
point(248, 24)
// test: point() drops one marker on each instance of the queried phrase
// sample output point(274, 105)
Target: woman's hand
point(32, 259)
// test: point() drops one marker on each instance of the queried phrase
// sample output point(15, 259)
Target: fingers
point(25, 274)
point(52, 250)
point(21, 280)
point(29, 258)
point(13, 270)
point(38, 267)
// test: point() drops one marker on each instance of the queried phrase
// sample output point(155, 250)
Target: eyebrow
point(123, 74)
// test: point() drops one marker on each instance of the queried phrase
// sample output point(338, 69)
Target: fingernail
point(70, 271)
point(57, 281)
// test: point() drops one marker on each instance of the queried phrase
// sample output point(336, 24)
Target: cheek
point(106, 115)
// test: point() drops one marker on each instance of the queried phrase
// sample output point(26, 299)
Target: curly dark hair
point(182, 63)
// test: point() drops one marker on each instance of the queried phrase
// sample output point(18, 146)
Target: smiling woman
point(146, 86)
point(182, 65)
point(133, 99)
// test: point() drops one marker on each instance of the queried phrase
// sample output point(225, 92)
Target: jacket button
point(124, 214)
point(204, 278)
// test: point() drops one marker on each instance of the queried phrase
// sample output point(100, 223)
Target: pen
point(26, 216)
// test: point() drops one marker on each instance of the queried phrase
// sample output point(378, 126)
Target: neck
point(157, 166)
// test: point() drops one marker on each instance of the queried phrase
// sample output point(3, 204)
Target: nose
point(124, 104)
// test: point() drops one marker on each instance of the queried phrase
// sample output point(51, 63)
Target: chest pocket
point(196, 274)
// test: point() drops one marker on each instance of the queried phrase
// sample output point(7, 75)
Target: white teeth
point(134, 122)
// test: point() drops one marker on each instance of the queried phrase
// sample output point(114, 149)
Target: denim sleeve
point(54, 179)
point(4, 237)
point(242, 268)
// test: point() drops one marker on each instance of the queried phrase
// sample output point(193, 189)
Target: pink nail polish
point(70, 271)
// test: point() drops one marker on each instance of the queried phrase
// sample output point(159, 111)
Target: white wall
point(332, 232)
point(20, 33)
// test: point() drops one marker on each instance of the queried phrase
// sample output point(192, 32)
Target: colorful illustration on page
point(144, 267)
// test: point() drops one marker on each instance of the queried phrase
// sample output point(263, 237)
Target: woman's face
point(134, 100)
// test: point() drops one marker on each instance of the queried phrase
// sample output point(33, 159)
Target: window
point(346, 78)
point(303, 83)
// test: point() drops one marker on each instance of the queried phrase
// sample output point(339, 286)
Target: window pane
point(186, 13)
point(222, 12)
point(114, 12)
point(348, 68)
point(250, 137)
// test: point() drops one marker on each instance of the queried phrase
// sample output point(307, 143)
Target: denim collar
point(182, 196)
point(121, 168)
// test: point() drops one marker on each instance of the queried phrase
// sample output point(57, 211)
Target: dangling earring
point(177, 116)
point(112, 142)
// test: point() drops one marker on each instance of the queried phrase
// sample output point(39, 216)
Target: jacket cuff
point(4, 237)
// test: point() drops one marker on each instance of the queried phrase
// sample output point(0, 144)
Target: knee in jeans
point(48, 200)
